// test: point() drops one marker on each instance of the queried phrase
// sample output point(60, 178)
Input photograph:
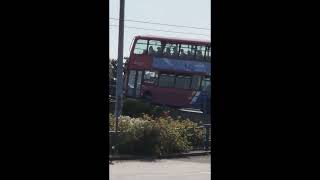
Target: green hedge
point(154, 136)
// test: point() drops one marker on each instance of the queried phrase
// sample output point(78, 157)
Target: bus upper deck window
point(171, 50)
point(184, 51)
point(141, 46)
point(155, 48)
point(175, 52)
point(187, 51)
point(199, 55)
point(183, 54)
point(159, 51)
point(190, 55)
point(201, 50)
point(151, 51)
point(167, 53)
point(208, 54)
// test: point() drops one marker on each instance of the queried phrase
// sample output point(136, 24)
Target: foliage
point(149, 136)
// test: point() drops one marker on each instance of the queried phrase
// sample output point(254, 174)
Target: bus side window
point(150, 77)
point(192, 52)
point(196, 81)
point(155, 48)
point(167, 52)
point(208, 54)
point(175, 51)
point(205, 84)
point(151, 51)
point(131, 82)
point(159, 51)
point(166, 80)
point(141, 46)
point(200, 53)
point(183, 82)
point(184, 50)
point(171, 50)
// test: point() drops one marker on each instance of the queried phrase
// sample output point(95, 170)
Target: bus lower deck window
point(166, 80)
point(150, 77)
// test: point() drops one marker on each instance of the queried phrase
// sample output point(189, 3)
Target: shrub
point(149, 136)
point(173, 138)
point(138, 137)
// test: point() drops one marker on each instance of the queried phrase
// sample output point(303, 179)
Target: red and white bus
point(169, 71)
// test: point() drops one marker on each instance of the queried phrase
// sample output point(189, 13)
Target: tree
point(113, 70)
point(111, 75)
point(113, 66)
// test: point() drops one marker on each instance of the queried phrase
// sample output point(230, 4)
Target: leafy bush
point(173, 136)
point(163, 135)
point(138, 135)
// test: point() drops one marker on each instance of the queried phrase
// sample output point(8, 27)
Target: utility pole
point(119, 88)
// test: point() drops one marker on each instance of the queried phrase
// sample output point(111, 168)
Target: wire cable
point(146, 22)
point(179, 32)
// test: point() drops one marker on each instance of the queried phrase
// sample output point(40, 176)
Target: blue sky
point(196, 13)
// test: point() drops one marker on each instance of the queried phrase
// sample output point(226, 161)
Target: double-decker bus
point(169, 71)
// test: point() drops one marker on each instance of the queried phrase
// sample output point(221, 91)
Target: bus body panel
point(140, 62)
point(177, 65)
point(178, 97)
point(169, 96)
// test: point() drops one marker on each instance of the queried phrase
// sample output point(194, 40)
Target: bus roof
point(179, 40)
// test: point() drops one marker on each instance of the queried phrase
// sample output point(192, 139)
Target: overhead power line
point(130, 20)
point(179, 32)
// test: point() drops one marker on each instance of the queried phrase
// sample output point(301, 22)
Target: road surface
point(197, 167)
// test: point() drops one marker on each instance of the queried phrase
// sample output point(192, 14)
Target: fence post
point(207, 126)
point(112, 142)
point(204, 106)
